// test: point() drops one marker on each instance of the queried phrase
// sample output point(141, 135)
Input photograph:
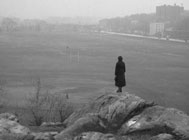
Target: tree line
point(140, 23)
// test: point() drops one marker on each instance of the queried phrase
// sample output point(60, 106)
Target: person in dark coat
point(120, 74)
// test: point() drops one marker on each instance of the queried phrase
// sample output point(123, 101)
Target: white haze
point(80, 8)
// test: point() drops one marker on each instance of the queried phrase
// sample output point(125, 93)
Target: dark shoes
point(119, 90)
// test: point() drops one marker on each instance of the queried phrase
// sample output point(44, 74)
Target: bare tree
point(35, 103)
point(46, 106)
point(58, 107)
point(9, 24)
point(64, 107)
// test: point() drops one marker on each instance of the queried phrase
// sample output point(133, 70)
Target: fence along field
point(82, 65)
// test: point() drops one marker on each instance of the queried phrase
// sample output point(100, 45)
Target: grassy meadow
point(82, 64)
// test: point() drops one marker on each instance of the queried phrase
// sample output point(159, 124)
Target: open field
point(82, 64)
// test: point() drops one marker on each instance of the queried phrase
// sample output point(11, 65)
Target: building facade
point(157, 28)
point(168, 12)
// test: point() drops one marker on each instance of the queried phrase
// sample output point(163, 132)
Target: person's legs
point(119, 89)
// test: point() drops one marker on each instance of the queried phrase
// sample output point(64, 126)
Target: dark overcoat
point(120, 74)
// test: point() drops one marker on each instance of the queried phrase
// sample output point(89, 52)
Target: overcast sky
point(82, 8)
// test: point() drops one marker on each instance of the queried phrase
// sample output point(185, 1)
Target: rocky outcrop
point(109, 117)
point(9, 126)
point(44, 136)
point(10, 129)
point(52, 124)
point(125, 117)
point(9, 116)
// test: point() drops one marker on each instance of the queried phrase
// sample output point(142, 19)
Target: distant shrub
point(46, 106)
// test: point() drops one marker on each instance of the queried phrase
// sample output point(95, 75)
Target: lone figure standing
point(120, 74)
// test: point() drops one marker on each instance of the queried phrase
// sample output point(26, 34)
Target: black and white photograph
point(94, 69)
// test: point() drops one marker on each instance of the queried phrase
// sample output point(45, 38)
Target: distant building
point(157, 29)
point(168, 12)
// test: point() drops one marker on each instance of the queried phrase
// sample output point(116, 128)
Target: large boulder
point(52, 124)
point(16, 137)
point(163, 137)
point(44, 136)
point(126, 117)
point(111, 107)
point(96, 136)
point(9, 116)
point(11, 129)
point(157, 120)
point(8, 126)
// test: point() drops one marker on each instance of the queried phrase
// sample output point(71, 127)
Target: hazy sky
point(89, 8)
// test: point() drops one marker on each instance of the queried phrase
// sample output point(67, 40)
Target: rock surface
point(51, 124)
point(8, 126)
point(125, 117)
point(43, 136)
point(10, 129)
point(109, 117)
point(9, 116)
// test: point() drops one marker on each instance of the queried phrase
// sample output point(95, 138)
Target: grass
point(156, 70)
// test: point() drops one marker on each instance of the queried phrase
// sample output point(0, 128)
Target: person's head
point(120, 58)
